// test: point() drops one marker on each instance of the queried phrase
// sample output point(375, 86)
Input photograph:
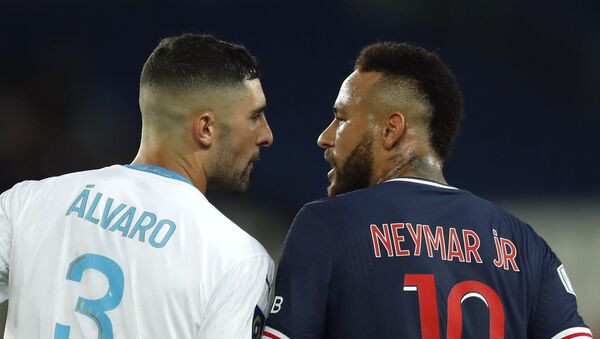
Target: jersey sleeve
point(556, 315)
point(238, 307)
point(301, 287)
point(5, 242)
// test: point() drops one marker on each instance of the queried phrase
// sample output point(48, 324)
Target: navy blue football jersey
point(410, 258)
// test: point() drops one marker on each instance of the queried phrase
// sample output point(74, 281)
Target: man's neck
point(182, 166)
point(424, 167)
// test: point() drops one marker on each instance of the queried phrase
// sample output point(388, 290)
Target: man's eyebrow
point(260, 109)
point(335, 110)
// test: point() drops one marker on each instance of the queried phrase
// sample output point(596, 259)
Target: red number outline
point(424, 285)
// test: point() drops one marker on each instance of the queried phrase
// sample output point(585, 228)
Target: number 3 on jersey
point(95, 309)
point(424, 285)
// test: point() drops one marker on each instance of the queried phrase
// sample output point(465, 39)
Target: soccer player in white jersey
point(136, 251)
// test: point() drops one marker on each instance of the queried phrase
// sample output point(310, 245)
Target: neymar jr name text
point(447, 243)
point(103, 211)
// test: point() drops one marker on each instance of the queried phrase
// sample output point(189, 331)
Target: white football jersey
point(127, 252)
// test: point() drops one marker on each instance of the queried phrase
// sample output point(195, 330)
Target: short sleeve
point(5, 242)
point(238, 307)
point(556, 315)
point(301, 288)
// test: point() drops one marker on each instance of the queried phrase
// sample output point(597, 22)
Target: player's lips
point(329, 158)
point(255, 158)
point(330, 174)
point(250, 166)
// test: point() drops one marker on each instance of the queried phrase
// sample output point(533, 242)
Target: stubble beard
point(227, 175)
point(357, 171)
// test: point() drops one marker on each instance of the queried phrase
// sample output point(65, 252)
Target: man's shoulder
point(389, 200)
point(350, 205)
point(32, 188)
point(499, 213)
point(340, 201)
point(224, 236)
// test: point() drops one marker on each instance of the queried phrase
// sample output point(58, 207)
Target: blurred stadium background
point(529, 71)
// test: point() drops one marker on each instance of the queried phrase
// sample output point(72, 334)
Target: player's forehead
point(355, 89)
point(248, 96)
point(255, 90)
point(256, 96)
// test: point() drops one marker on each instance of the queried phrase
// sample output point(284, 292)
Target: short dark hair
point(193, 59)
point(432, 78)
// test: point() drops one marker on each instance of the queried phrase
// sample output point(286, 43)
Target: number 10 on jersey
point(424, 285)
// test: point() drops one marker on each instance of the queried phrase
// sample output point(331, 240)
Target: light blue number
point(95, 308)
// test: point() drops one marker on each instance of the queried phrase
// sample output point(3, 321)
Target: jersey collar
point(163, 172)
point(423, 182)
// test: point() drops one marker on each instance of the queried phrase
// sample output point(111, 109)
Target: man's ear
point(394, 128)
point(204, 128)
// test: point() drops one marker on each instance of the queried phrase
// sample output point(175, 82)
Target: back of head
point(193, 60)
point(183, 74)
point(429, 82)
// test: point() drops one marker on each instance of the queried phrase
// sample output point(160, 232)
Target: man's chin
point(337, 188)
point(241, 186)
point(230, 184)
point(332, 190)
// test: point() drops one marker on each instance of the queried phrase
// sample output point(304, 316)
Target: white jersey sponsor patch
point(562, 273)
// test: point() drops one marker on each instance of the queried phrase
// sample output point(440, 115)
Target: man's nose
point(266, 136)
point(327, 137)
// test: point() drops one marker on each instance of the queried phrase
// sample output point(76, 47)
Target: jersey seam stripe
point(578, 335)
point(272, 333)
point(423, 182)
point(269, 335)
point(574, 332)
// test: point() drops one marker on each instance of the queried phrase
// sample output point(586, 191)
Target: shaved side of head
point(401, 94)
point(187, 75)
point(413, 73)
point(167, 111)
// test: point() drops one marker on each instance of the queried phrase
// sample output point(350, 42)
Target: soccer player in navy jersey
point(396, 252)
